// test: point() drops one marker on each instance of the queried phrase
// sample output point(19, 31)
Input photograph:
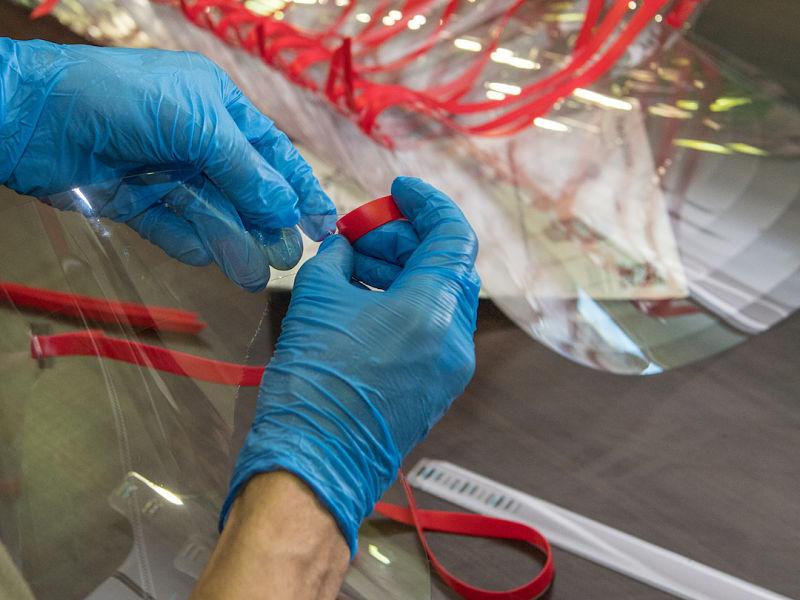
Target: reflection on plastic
point(184, 214)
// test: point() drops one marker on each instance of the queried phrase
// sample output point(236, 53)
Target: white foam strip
point(660, 568)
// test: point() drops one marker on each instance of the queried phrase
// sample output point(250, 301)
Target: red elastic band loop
point(477, 526)
point(367, 217)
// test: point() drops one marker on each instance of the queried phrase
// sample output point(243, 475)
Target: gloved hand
point(78, 116)
point(359, 377)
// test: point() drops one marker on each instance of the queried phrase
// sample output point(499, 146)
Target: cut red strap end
point(101, 310)
point(44, 9)
point(477, 526)
point(97, 343)
point(367, 217)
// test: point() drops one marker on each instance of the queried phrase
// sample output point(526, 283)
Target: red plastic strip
point(44, 9)
point(681, 12)
point(97, 343)
point(666, 308)
point(592, 15)
point(382, 97)
point(101, 310)
point(477, 526)
point(367, 217)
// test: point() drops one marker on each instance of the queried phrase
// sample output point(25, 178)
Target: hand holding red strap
point(367, 217)
point(353, 225)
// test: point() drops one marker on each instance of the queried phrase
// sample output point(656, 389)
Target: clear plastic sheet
point(112, 473)
point(643, 224)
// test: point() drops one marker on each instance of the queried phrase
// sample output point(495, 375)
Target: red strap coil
point(367, 217)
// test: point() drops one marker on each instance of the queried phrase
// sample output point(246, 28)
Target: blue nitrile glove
point(85, 117)
point(359, 377)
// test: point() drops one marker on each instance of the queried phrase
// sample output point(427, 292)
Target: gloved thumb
point(334, 260)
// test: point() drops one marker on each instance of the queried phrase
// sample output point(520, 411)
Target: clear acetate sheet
point(112, 472)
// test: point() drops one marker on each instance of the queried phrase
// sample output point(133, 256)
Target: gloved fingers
point(89, 200)
point(159, 225)
point(283, 247)
point(333, 264)
point(243, 260)
point(448, 245)
point(393, 242)
point(317, 212)
point(374, 271)
point(261, 195)
point(123, 199)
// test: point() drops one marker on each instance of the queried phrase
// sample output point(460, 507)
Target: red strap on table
point(100, 309)
point(97, 343)
point(477, 526)
point(367, 217)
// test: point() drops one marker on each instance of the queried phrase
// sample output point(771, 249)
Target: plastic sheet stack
point(634, 211)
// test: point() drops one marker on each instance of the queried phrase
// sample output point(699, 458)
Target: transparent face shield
point(112, 470)
point(642, 224)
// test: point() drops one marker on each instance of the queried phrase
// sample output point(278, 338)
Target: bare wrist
point(279, 542)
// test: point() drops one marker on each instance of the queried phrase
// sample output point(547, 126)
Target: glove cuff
point(347, 461)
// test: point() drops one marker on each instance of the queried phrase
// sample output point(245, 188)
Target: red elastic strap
point(367, 217)
point(682, 12)
point(44, 9)
point(341, 65)
point(379, 98)
point(100, 310)
point(97, 343)
point(477, 526)
point(593, 11)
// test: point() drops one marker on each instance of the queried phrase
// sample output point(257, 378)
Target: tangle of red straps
point(605, 35)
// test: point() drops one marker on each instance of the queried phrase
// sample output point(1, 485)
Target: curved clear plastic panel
point(644, 223)
point(112, 472)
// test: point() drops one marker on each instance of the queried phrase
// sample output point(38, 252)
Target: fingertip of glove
point(196, 257)
point(256, 285)
point(318, 226)
point(404, 184)
point(331, 242)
